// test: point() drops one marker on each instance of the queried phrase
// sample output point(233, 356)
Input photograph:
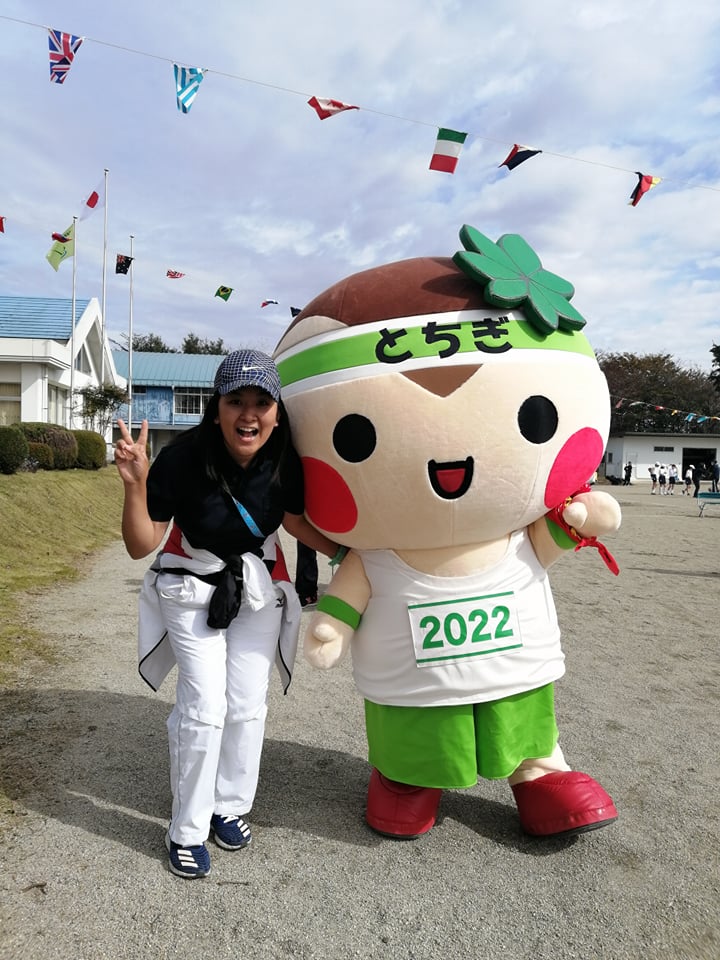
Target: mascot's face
point(426, 418)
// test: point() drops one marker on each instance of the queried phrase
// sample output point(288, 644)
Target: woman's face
point(247, 418)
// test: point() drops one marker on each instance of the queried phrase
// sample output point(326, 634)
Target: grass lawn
point(50, 523)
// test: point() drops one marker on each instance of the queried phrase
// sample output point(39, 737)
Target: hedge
point(13, 449)
point(91, 453)
point(42, 454)
point(60, 440)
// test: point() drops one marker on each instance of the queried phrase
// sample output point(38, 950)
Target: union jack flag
point(63, 47)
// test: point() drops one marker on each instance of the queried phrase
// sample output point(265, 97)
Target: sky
point(251, 190)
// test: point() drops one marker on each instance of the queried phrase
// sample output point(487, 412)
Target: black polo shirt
point(178, 488)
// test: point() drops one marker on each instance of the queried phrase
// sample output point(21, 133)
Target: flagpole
point(72, 329)
point(103, 325)
point(130, 339)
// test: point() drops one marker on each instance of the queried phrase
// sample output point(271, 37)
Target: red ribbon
point(556, 515)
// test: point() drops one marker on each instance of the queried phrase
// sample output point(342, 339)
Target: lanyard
point(249, 522)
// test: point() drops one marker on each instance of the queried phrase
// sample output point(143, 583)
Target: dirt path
point(83, 756)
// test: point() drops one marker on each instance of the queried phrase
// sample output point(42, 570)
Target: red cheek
point(574, 465)
point(329, 503)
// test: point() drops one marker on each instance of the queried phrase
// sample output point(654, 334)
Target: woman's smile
point(247, 418)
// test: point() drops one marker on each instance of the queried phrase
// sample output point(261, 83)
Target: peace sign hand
point(131, 455)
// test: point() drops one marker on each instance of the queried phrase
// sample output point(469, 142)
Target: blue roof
point(39, 318)
point(169, 369)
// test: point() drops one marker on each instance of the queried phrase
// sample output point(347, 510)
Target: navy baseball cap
point(247, 368)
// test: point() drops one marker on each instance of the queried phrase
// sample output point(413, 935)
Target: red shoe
point(399, 809)
point(563, 804)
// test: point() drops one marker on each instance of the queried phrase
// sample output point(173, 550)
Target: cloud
point(251, 190)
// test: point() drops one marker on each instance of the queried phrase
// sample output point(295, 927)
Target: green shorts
point(450, 747)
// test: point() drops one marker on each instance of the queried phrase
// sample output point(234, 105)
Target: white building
point(645, 449)
point(44, 363)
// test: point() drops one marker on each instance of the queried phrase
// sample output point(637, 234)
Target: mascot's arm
point(576, 523)
point(339, 611)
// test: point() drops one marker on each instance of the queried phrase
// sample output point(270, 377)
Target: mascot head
point(440, 402)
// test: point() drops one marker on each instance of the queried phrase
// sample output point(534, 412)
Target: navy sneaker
point(230, 832)
point(189, 862)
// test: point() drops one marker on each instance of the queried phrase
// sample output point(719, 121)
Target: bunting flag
point(266, 303)
point(174, 274)
point(328, 108)
point(122, 263)
point(447, 150)
point(645, 182)
point(60, 237)
point(62, 249)
point(63, 47)
point(187, 84)
point(659, 408)
point(93, 201)
point(518, 155)
point(224, 293)
point(294, 311)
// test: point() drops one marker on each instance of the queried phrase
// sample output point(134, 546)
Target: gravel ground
point(83, 758)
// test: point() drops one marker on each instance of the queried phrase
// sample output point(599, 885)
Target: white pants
point(216, 727)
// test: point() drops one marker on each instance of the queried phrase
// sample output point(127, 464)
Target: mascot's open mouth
point(451, 480)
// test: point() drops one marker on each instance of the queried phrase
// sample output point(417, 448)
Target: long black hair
point(208, 441)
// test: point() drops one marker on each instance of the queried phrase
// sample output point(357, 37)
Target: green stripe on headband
point(396, 345)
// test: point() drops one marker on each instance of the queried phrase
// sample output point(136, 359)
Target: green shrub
point(60, 440)
point(91, 453)
point(42, 454)
point(13, 449)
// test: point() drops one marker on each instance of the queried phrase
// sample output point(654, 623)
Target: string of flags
point(687, 416)
point(64, 46)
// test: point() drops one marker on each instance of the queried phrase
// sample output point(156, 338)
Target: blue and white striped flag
point(187, 84)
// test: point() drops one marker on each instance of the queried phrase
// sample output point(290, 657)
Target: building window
point(9, 404)
point(191, 400)
point(663, 449)
point(57, 405)
point(82, 362)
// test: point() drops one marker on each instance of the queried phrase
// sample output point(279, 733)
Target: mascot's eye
point(538, 419)
point(354, 438)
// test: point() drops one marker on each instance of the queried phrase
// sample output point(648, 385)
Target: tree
point(645, 390)
point(715, 369)
point(150, 343)
point(99, 405)
point(193, 344)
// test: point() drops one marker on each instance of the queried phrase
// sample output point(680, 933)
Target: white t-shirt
point(433, 641)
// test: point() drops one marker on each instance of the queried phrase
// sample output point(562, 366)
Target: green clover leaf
point(512, 276)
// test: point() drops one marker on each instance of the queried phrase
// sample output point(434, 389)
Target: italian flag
point(447, 150)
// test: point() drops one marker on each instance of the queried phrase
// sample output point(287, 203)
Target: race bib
point(460, 629)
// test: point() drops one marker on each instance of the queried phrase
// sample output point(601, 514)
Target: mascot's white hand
point(593, 514)
point(327, 641)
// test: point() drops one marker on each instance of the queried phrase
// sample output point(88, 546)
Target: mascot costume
point(449, 413)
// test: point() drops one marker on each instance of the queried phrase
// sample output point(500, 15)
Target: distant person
point(653, 471)
point(628, 474)
point(688, 478)
point(715, 477)
point(698, 475)
point(662, 479)
point(673, 477)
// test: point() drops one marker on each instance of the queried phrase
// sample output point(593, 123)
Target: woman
point(213, 601)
